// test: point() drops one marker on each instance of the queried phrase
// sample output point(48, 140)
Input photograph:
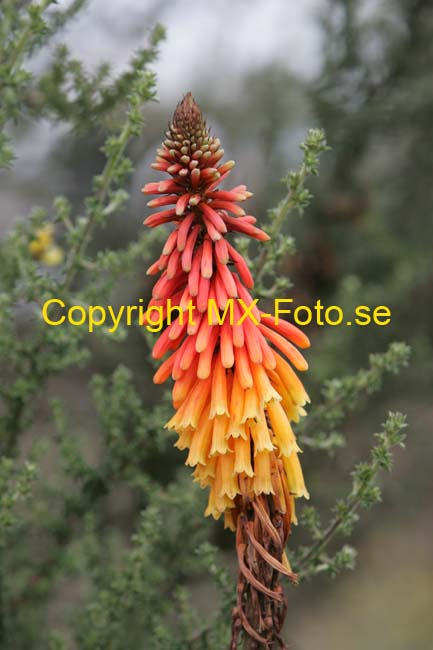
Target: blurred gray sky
point(211, 44)
point(220, 39)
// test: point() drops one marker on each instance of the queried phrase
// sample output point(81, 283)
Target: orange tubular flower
point(235, 392)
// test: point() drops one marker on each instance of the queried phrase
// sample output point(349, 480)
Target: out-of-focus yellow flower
point(44, 248)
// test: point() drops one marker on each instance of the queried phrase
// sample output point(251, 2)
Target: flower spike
point(235, 391)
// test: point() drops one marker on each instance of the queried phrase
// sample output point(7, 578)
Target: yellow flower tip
point(262, 474)
point(204, 474)
point(184, 440)
point(301, 412)
point(211, 511)
point(263, 384)
point(220, 408)
point(229, 491)
point(261, 437)
point(228, 484)
point(229, 521)
point(219, 447)
point(217, 504)
point(219, 441)
point(285, 438)
point(263, 486)
point(227, 166)
point(175, 424)
point(295, 478)
point(243, 458)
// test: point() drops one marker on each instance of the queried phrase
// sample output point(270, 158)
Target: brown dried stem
point(263, 525)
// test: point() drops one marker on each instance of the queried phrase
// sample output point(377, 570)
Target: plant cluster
point(57, 536)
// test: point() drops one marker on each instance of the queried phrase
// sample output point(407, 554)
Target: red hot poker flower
point(235, 392)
